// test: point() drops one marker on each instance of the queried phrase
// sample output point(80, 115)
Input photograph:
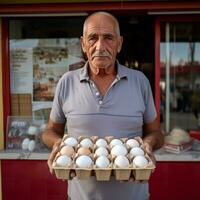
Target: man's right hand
point(52, 155)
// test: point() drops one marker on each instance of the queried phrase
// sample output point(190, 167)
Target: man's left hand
point(149, 150)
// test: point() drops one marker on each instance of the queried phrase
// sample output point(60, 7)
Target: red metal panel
point(91, 6)
point(5, 72)
point(157, 66)
point(30, 180)
point(175, 180)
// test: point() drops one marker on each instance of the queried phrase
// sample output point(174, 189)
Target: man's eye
point(91, 38)
point(109, 37)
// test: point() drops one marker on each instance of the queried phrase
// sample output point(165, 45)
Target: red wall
point(175, 180)
point(31, 180)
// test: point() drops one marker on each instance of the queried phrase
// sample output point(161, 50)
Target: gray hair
point(102, 13)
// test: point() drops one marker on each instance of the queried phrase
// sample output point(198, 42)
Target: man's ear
point(82, 44)
point(120, 44)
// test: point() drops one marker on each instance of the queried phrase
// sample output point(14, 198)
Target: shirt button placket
point(97, 93)
point(100, 102)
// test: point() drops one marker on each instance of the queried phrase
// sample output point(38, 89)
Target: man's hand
point(149, 149)
point(53, 154)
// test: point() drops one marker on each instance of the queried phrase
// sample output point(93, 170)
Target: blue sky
point(179, 51)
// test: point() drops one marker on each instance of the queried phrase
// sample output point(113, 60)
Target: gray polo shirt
point(126, 106)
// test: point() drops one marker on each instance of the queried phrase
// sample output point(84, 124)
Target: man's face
point(101, 43)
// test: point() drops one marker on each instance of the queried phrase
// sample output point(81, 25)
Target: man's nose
point(100, 45)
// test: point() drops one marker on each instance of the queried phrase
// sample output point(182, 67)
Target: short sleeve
point(57, 114)
point(150, 111)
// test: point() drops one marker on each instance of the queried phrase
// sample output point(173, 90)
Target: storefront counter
point(27, 177)
point(187, 156)
point(161, 156)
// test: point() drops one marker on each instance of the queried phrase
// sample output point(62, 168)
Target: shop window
point(41, 51)
point(180, 75)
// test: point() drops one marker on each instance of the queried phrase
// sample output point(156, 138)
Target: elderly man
point(103, 98)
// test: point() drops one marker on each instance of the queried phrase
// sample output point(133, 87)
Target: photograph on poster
point(50, 62)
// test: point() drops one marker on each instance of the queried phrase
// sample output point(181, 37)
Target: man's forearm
point(49, 137)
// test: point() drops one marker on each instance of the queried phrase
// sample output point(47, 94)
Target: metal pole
point(167, 102)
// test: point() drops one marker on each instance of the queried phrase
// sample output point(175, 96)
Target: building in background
point(40, 41)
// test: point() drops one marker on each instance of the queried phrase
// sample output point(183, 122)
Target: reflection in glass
point(180, 51)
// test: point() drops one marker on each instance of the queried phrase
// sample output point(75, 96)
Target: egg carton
point(122, 174)
point(101, 151)
point(84, 151)
point(143, 173)
point(61, 172)
point(92, 138)
point(138, 139)
point(103, 174)
point(139, 173)
point(83, 173)
point(95, 138)
point(66, 136)
point(67, 150)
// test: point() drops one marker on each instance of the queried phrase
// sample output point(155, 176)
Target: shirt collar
point(121, 72)
point(84, 73)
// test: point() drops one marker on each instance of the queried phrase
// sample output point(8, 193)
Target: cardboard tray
point(104, 174)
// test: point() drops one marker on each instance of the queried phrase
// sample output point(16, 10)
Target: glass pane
point(180, 75)
point(41, 51)
point(39, 45)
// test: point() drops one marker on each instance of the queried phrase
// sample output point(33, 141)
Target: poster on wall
point(38, 64)
point(51, 59)
point(21, 74)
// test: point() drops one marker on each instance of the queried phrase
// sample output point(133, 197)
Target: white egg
point(101, 151)
point(119, 150)
point(86, 142)
point(63, 161)
point(102, 162)
point(33, 130)
point(132, 143)
point(121, 161)
point(136, 151)
point(31, 145)
point(25, 143)
point(71, 141)
point(115, 142)
point(140, 161)
point(101, 142)
point(84, 161)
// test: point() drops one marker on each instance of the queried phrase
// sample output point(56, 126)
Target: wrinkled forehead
point(100, 24)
